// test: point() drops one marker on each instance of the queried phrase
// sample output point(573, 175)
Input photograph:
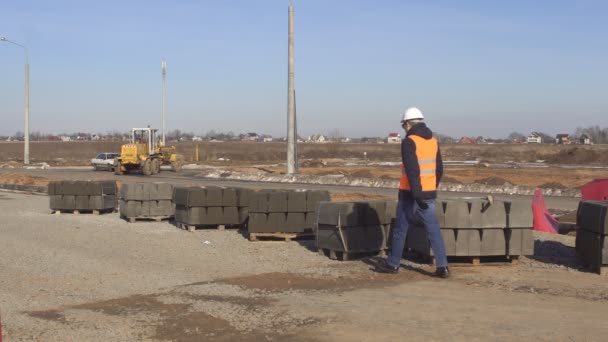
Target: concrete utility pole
point(26, 133)
point(291, 109)
point(164, 68)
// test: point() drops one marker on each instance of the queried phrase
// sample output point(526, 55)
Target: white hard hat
point(412, 114)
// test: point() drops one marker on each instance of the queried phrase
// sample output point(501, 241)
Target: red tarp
point(543, 220)
point(596, 190)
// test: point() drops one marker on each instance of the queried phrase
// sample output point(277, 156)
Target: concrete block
point(347, 214)
point(311, 221)
point(493, 242)
point(243, 197)
point(160, 191)
point(457, 214)
point(313, 197)
point(259, 223)
point(102, 202)
point(180, 195)
point(592, 247)
point(374, 213)
point(197, 197)
point(68, 202)
point(277, 202)
point(229, 197)
point(55, 202)
point(243, 214)
point(486, 215)
point(133, 192)
point(520, 241)
point(69, 188)
point(52, 188)
point(592, 216)
point(417, 239)
point(279, 221)
point(190, 215)
point(440, 213)
point(215, 215)
point(259, 201)
point(519, 214)
point(449, 239)
point(357, 239)
point(82, 203)
point(161, 208)
point(130, 208)
point(231, 215)
point(296, 222)
point(296, 201)
point(468, 242)
point(214, 196)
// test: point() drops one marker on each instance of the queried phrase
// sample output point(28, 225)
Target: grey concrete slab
point(258, 202)
point(53, 188)
point(82, 203)
point(592, 216)
point(231, 215)
point(296, 201)
point(375, 213)
point(468, 242)
point(449, 239)
point(160, 191)
point(259, 223)
point(296, 222)
point(180, 195)
point(215, 215)
point(493, 242)
point(357, 239)
point(417, 240)
point(315, 196)
point(457, 214)
point(520, 214)
point(277, 202)
point(130, 208)
point(278, 220)
point(68, 202)
point(229, 197)
point(345, 213)
point(311, 221)
point(134, 192)
point(69, 188)
point(162, 208)
point(55, 202)
point(214, 196)
point(487, 215)
point(197, 196)
point(243, 196)
point(243, 214)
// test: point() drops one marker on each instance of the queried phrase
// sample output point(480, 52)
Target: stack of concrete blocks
point(592, 234)
point(284, 211)
point(146, 201)
point(476, 228)
point(211, 206)
point(83, 196)
point(348, 229)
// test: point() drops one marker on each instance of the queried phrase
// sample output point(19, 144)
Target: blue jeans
point(407, 209)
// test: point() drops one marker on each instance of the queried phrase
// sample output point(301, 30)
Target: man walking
point(422, 169)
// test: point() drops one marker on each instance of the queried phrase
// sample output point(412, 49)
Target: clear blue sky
point(473, 67)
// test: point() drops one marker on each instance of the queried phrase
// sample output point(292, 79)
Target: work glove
point(422, 204)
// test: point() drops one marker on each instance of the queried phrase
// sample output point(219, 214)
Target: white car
point(104, 161)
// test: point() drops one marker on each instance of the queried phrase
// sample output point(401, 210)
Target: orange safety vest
point(426, 153)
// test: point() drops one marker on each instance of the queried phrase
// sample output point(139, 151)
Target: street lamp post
point(26, 133)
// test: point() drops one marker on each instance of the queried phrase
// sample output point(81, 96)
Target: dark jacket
point(412, 168)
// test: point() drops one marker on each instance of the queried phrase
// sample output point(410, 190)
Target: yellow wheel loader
point(146, 154)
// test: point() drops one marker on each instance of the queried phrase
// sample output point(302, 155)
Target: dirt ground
point(98, 278)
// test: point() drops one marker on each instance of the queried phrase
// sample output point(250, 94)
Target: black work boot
point(442, 272)
point(384, 267)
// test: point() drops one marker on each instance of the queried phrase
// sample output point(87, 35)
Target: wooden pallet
point(146, 218)
point(279, 236)
point(346, 256)
point(78, 211)
point(191, 228)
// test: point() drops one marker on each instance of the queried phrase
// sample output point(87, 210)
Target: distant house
point(195, 138)
point(251, 137)
point(466, 140)
point(65, 138)
point(534, 138)
point(563, 139)
point(267, 139)
point(393, 138)
point(585, 140)
point(317, 138)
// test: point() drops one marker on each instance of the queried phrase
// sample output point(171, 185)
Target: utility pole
point(291, 109)
point(26, 133)
point(164, 68)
